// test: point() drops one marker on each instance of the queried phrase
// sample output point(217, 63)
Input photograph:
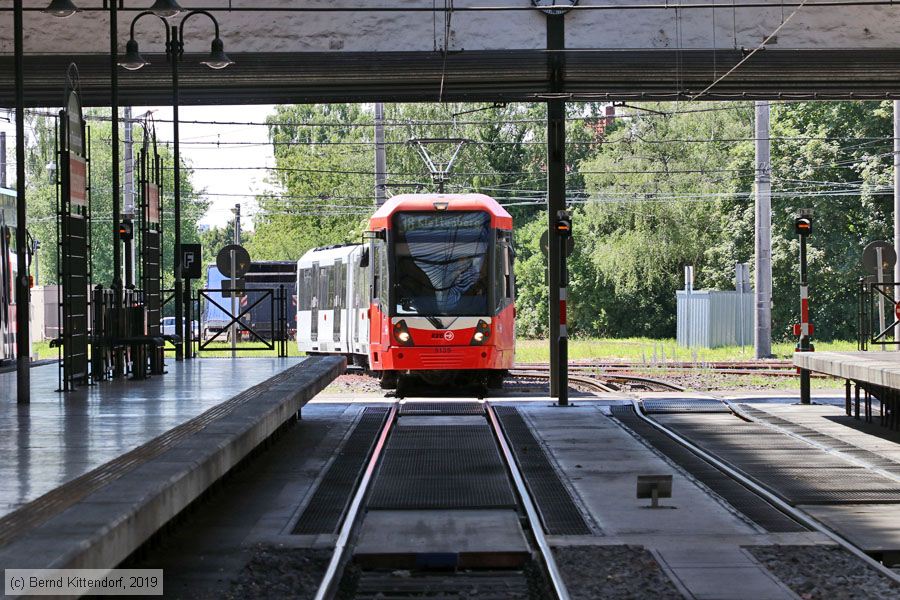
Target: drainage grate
point(441, 408)
point(742, 499)
point(441, 467)
point(558, 511)
point(684, 405)
point(328, 503)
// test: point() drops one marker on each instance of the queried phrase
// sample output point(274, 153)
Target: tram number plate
point(441, 350)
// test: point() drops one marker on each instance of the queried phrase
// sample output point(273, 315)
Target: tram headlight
point(482, 333)
point(401, 334)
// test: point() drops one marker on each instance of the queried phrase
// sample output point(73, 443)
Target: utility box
point(715, 318)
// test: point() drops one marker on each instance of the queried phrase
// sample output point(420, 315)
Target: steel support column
point(763, 251)
point(179, 289)
point(23, 291)
point(114, 107)
point(556, 184)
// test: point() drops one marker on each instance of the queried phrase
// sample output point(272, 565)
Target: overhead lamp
point(61, 8)
point(133, 59)
point(217, 57)
point(165, 8)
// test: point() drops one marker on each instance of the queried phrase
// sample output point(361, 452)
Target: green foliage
point(42, 200)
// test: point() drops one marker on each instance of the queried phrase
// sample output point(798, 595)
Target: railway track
point(758, 486)
point(600, 382)
point(344, 578)
point(768, 368)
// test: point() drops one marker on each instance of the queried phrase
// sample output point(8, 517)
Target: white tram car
point(7, 276)
point(333, 302)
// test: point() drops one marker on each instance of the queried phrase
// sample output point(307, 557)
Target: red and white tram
point(431, 295)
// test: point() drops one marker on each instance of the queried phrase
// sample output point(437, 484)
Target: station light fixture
point(61, 8)
point(133, 59)
point(217, 57)
point(165, 8)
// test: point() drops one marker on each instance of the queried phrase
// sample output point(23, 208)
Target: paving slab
point(59, 437)
point(697, 538)
point(98, 518)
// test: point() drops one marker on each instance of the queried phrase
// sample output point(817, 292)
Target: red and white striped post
point(804, 329)
point(564, 233)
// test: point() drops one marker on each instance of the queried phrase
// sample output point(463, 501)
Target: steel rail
point(800, 516)
point(594, 380)
point(334, 571)
point(572, 379)
point(537, 528)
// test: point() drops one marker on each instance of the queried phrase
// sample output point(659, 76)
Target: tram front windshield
point(441, 263)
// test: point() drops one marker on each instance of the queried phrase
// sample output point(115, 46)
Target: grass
point(645, 350)
point(650, 351)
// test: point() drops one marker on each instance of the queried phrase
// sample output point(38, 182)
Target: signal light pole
point(563, 232)
point(804, 329)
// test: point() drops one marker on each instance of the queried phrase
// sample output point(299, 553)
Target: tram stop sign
point(870, 256)
point(241, 261)
point(545, 244)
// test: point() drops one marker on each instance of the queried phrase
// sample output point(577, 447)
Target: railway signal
point(804, 329)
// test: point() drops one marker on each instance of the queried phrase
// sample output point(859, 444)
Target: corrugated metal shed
point(711, 318)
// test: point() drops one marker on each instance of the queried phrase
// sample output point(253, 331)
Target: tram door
point(340, 273)
point(314, 304)
point(7, 344)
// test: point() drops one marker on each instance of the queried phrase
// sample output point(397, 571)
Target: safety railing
point(878, 317)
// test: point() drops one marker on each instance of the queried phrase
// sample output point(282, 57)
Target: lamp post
point(174, 51)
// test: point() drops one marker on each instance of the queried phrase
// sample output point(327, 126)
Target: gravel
point(613, 573)
point(829, 572)
point(276, 572)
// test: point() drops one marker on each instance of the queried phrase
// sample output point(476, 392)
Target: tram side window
point(304, 294)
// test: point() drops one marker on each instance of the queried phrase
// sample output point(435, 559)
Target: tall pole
point(556, 187)
point(896, 203)
point(380, 158)
point(2, 159)
point(114, 107)
point(763, 255)
point(129, 198)
point(172, 51)
point(23, 300)
point(236, 240)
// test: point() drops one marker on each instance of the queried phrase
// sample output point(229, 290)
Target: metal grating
point(742, 499)
point(441, 467)
point(441, 408)
point(559, 514)
point(796, 471)
point(867, 456)
point(329, 502)
point(684, 405)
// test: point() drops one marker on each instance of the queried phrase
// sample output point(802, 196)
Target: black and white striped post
point(564, 233)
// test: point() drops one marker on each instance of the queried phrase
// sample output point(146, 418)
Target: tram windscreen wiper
point(441, 262)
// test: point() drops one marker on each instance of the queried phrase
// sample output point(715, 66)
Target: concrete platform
point(877, 368)
point(98, 471)
point(699, 540)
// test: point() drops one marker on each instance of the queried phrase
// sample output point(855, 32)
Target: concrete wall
point(724, 27)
